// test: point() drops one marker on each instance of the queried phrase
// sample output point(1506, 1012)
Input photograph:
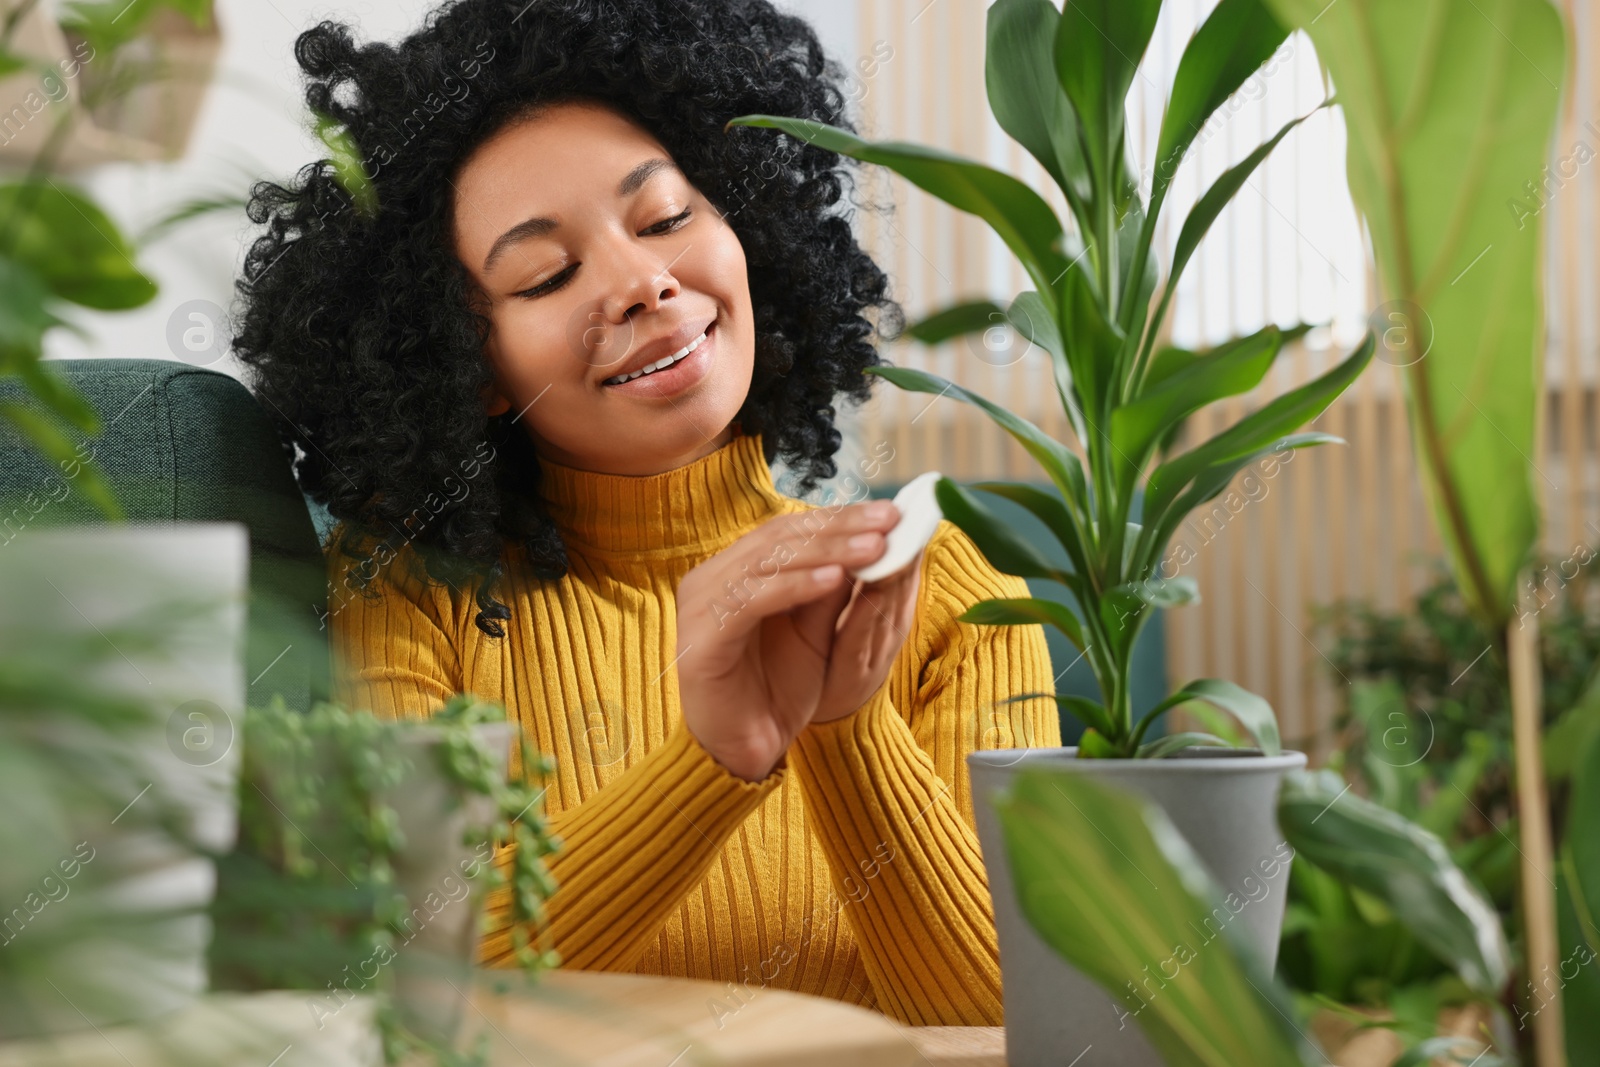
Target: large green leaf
point(1233, 42)
point(1063, 468)
point(1098, 46)
point(1025, 611)
point(1111, 885)
point(1231, 369)
point(1027, 100)
point(1022, 218)
point(1449, 108)
point(1035, 320)
point(25, 312)
point(1377, 850)
point(1208, 483)
point(72, 245)
point(1205, 211)
point(1050, 510)
point(1001, 546)
point(1251, 711)
point(1258, 430)
point(957, 320)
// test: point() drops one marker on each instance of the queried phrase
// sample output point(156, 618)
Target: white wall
point(252, 126)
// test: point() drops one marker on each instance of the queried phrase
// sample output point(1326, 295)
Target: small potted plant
point(366, 848)
point(1057, 81)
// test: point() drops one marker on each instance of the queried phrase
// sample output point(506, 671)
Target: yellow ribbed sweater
point(851, 871)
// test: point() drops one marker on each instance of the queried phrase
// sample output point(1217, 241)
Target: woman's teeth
point(660, 364)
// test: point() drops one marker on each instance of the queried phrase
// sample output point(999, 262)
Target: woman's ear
point(494, 401)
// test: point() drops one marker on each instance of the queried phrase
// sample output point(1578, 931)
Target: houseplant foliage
point(1450, 108)
point(1113, 887)
point(1057, 83)
point(1426, 732)
point(58, 248)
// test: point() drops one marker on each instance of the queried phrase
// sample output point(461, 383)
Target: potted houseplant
point(366, 848)
point(1057, 82)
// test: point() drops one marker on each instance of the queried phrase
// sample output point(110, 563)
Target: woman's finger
point(817, 620)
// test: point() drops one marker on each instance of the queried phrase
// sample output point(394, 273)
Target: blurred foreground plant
point(309, 899)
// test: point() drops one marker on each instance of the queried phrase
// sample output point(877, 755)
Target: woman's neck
point(706, 502)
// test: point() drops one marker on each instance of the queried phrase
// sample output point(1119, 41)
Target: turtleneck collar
point(702, 503)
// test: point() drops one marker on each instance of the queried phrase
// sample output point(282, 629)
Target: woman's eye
point(550, 286)
point(672, 224)
point(558, 280)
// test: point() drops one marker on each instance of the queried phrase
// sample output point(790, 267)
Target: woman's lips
point(676, 378)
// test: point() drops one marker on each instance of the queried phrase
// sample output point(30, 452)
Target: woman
point(538, 368)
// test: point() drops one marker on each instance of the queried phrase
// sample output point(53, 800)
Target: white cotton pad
point(919, 518)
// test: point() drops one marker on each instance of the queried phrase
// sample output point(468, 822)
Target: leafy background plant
point(1426, 732)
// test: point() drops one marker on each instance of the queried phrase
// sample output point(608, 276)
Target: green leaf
point(1207, 484)
point(1025, 611)
point(72, 245)
point(52, 391)
point(1027, 100)
point(956, 321)
point(1234, 368)
point(1162, 747)
point(1051, 510)
point(1063, 468)
point(1093, 714)
point(10, 63)
point(1233, 42)
point(1098, 45)
point(25, 312)
point(1443, 136)
point(1252, 433)
point(1091, 347)
point(1022, 218)
point(1034, 320)
point(1007, 552)
point(1372, 848)
point(348, 168)
point(1094, 745)
point(1251, 711)
point(1210, 205)
point(1111, 885)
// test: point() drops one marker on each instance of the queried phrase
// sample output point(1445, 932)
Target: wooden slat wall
point(1333, 523)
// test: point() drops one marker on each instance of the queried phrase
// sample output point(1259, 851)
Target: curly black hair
point(355, 327)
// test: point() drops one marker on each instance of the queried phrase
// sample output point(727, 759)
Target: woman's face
point(595, 255)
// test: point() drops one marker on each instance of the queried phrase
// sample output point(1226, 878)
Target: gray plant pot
point(1225, 805)
point(437, 947)
point(104, 878)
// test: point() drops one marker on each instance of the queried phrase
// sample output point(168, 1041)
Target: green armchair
point(181, 443)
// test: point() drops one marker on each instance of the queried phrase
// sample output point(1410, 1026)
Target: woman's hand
point(868, 637)
point(757, 632)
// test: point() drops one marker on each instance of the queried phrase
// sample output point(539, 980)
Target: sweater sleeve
point(890, 798)
point(629, 854)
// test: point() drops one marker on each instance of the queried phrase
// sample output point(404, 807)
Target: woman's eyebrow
point(538, 227)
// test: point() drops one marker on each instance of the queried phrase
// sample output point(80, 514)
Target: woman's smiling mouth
point(671, 374)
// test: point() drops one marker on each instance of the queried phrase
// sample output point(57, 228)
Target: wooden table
point(564, 1019)
point(595, 1019)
